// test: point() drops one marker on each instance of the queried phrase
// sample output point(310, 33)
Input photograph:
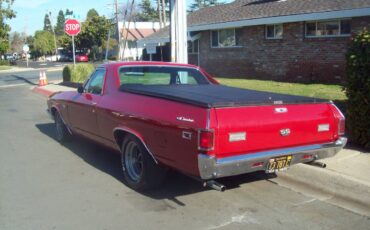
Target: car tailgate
point(251, 129)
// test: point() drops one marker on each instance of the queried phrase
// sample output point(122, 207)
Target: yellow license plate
point(278, 163)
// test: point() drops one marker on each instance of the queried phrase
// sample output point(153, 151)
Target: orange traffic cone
point(42, 80)
point(45, 78)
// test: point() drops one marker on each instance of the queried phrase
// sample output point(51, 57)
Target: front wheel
point(139, 169)
point(62, 133)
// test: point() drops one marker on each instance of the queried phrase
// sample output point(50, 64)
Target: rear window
point(161, 75)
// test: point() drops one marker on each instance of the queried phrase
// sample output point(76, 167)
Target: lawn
point(331, 92)
point(4, 67)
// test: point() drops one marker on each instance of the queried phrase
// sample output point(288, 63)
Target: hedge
point(77, 74)
point(357, 89)
point(4, 62)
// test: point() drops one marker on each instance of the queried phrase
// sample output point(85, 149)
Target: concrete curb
point(42, 91)
point(342, 190)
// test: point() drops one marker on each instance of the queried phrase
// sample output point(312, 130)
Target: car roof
point(144, 63)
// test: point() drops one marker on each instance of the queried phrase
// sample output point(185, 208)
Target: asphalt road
point(38, 65)
point(26, 78)
point(46, 185)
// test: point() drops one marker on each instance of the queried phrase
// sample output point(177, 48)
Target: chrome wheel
point(134, 161)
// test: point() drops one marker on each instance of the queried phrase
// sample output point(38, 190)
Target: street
point(28, 78)
point(78, 185)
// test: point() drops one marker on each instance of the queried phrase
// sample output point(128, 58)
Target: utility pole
point(55, 40)
point(179, 44)
point(118, 32)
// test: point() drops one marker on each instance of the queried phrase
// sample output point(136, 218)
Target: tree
point(47, 23)
point(199, 4)
point(5, 13)
point(91, 13)
point(16, 42)
point(59, 28)
point(43, 43)
point(358, 89)
point(147, 12)
point(68, 12)
point(93, 32)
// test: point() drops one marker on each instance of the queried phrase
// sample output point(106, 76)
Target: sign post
point(151, 49)
point(72, 27)
point(26, 48)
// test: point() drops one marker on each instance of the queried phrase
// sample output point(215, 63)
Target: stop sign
point(72, 27)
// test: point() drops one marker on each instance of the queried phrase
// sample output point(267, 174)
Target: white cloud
point(30, 4)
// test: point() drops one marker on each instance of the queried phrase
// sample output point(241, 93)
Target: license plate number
point(278, 163)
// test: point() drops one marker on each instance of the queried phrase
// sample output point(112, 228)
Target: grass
point(4, 67)
point(331, 92)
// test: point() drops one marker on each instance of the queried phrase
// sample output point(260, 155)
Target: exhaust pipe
point(317, 163)
point(215, 185)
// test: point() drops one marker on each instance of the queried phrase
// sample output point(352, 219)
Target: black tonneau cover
point(215, 96)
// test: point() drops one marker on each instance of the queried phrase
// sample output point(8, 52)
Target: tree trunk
point(164, 12)
point(159, 13)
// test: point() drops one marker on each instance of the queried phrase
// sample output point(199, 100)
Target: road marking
point(14, 85)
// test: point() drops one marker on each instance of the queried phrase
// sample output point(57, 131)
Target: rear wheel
point(139, 169)
point(62, 133)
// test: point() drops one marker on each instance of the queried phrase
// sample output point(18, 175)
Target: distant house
point(130, 33)
point(295, 40)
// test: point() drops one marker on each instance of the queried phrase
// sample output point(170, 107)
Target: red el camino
point(163, 115)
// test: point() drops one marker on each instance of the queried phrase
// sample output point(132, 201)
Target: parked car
point(165, 115)
point(82, 58)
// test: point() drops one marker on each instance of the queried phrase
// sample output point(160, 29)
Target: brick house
point(291, 40)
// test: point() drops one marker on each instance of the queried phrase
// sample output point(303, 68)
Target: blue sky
point(30, 13)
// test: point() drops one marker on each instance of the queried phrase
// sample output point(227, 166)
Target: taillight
point(339, 117)
point(206, 140)
point(342, 126)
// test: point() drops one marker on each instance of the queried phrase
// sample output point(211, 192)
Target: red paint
point(154, 120)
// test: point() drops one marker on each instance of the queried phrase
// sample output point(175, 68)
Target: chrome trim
point(142, 141)
point(208, 124)
point(210, 167)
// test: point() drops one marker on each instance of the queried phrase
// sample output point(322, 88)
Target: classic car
point(161, 116)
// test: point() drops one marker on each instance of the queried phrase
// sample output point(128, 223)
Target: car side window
point(95, 84)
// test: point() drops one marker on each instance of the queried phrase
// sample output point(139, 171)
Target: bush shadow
point(176, 184)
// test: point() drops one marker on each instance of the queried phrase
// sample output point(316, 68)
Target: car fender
point(136, 134)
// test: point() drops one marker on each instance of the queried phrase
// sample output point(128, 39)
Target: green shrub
point(79, 73)
point(67, 73)
point(4, 62)
point(358, 89)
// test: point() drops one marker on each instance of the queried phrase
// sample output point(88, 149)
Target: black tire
point(61, 132)
point(139, 169)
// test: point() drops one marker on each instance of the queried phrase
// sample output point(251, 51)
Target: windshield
point(161, 75)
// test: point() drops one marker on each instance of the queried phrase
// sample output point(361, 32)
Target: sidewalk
point(49, 89)
point(344, 182)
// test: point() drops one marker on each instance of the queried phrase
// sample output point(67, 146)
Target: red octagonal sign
point(72, 27)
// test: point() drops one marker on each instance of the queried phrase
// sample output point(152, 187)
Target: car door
point(82, 110)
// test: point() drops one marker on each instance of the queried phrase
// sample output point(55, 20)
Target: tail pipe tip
point(318, 164)
point(214, 185)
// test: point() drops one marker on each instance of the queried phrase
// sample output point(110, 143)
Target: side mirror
point(80, 89)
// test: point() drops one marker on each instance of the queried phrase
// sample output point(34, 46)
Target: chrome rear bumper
point(211, 168)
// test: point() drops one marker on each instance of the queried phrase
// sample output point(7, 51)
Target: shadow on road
point(18, 78)
point(176, 184)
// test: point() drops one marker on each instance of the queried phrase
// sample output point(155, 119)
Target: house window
point(274, 31)
point(328, 28)
point(193, 47)
point(225, 38)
